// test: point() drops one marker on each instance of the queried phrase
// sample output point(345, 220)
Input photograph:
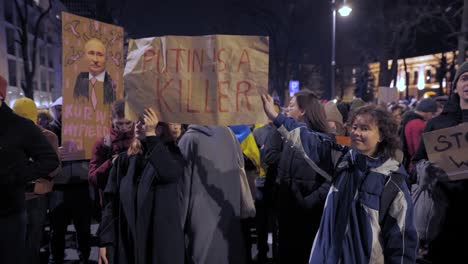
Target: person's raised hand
point(269, 107)
point(151, 121)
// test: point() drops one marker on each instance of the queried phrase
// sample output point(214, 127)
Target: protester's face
point(428, 116)
point(365, 135)
point(42, 122)
point(439, 110)
point(176, 130)
point(122, 125)
point(96, 56)
point(332, 125)
point(140, 130)
point(462, 87)
point(397, 115)
point(58, 112)
point(293, 110)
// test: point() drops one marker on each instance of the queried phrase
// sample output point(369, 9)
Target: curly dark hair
point(388, 128)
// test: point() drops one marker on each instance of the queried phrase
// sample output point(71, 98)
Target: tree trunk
point(463, 32)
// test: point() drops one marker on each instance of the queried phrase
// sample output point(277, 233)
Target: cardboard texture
point(90, 49)
point(206, 80)
point(448, 148)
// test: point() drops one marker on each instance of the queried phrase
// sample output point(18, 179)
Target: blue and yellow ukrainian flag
point(248, 145)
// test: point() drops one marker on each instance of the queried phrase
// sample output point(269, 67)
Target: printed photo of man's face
point(95, 52)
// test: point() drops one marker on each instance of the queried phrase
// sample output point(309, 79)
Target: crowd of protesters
point(172, 193)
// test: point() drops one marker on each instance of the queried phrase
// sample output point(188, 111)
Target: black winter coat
point(25, 155)
point(307, 187)
point(141, 215)
point(450, 246)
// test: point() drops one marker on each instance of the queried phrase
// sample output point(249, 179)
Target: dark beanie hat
point(462, 69)
point(427, 106)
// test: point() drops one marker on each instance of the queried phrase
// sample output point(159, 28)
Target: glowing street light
point(345, 11)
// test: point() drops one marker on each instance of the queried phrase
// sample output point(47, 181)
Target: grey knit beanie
point(462, 69)
point(427, 106)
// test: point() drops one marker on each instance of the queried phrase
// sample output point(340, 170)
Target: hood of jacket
point(207, 130)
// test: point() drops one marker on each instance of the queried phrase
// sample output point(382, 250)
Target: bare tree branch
point(36, 35)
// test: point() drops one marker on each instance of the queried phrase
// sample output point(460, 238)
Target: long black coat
point(141, 217)
point(451, 244)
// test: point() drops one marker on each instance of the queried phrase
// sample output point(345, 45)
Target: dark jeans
point(70, 203)
point(12, 238)
point(297, 228)
point(36, 211)
point(265, 218)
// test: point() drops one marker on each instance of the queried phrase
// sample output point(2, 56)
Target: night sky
point(299, 30)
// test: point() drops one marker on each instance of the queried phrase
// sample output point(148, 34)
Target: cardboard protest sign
point(92, 80)
point(387, 95)
point(448, 148)
point(208, 80)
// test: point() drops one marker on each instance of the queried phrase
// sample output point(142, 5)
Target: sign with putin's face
point(92, 80)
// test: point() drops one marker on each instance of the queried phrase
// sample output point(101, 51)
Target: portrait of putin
point(96, 84)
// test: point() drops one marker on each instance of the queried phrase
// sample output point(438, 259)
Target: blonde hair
point(135, 148)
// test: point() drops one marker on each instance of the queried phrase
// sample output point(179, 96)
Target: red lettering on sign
point(243, 60)
point(199, 59)
point(160, 96)
point(238, 92)
point(207, 87)
point(221, 95)
point(189, 97)
point(177, 59)
point(188, 60)
point(164, 62)
point(221, 61)
point(180, 96)
point(87, 113)
point(100, 117)
point(148, 56)
point(67, 112)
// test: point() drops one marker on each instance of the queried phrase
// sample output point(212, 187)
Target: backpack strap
point(389, 193)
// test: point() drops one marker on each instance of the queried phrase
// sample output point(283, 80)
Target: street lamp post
point(344, 11)
point(333, 63)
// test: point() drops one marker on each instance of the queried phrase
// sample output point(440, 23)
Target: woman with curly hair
point(368, 214)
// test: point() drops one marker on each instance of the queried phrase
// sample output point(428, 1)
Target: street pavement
point(71, 254)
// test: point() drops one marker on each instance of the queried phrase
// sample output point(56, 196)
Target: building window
point(43, 80)
point(22, 76)
point(12, 77)
point(42, 55)
point(51, 81)
point(50, 38)
point(11, 46)
point(428, 76)
point(8, 8)
point(50, 57)
point(416, 76)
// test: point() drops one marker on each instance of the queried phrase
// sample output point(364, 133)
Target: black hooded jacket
point(451, 116)
point(451, 243)
point(25, 155)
